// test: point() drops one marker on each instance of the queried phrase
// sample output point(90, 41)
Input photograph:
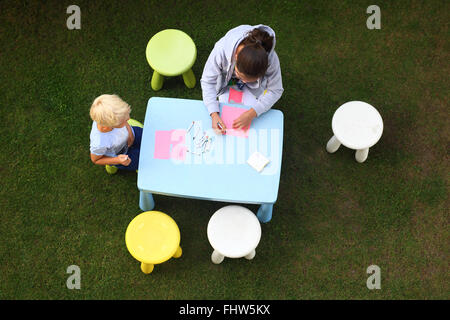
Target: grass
point(333, 218)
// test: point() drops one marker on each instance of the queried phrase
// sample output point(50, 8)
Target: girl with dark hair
point(245, 58)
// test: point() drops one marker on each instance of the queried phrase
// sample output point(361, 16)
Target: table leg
point(189, 79)
point(265, 212)
point(157, 81)
point(361, 155)
point(333, 144)
point(216, 257)
point(146, 202)
point(147, 267)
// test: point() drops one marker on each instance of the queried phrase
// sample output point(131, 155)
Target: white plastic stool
point(357, 125)
point(233, 232)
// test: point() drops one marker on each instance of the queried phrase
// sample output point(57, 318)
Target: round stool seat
point(357, 125)
point(234, 232)
point(171, 52)
point(152, 237)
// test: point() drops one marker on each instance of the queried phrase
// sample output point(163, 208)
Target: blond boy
point(114, 143)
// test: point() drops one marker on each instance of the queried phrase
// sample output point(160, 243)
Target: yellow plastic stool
point(171, 53)
point(153, 237)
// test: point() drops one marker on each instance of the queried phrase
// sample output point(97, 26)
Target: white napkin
point(257, 161)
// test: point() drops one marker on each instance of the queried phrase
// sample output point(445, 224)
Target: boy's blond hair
point(109, 110)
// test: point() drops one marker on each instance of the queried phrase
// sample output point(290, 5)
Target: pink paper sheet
point(162, 144)
point(235, 96)
point(229, 114)
point(165, 139)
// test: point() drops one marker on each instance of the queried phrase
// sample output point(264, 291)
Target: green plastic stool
point(133, 123)
point(171, 53)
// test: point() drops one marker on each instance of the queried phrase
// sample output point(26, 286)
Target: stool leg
point(111, 169)
point(189, 79)
point(147, 267)
point(157, 81)
point(178, 253)
point(251, 255)
point(265, 212)
point(146, 202)
point(333, 144)
point(361, 155)
point(216, 257)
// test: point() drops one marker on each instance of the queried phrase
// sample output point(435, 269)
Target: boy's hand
point(245, 119)
point(215, 118)
point(124, 160)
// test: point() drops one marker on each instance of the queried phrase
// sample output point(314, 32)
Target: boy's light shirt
point(110, 143)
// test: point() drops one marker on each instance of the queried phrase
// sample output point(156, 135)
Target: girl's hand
point(244, 120)
point(215, 118)
point(124, 160)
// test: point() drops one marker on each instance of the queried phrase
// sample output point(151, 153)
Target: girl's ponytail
point(259, 37)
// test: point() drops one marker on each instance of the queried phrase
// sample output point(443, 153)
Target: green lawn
point(334, 217)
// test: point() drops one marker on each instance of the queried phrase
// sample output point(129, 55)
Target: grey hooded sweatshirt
point(219, 69)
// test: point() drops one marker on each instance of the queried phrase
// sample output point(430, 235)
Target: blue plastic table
point(221, 174)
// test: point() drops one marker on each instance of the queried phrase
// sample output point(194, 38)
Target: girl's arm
point(274, 87)
point(208, 81)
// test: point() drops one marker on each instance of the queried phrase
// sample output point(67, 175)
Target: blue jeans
point(133, 151)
